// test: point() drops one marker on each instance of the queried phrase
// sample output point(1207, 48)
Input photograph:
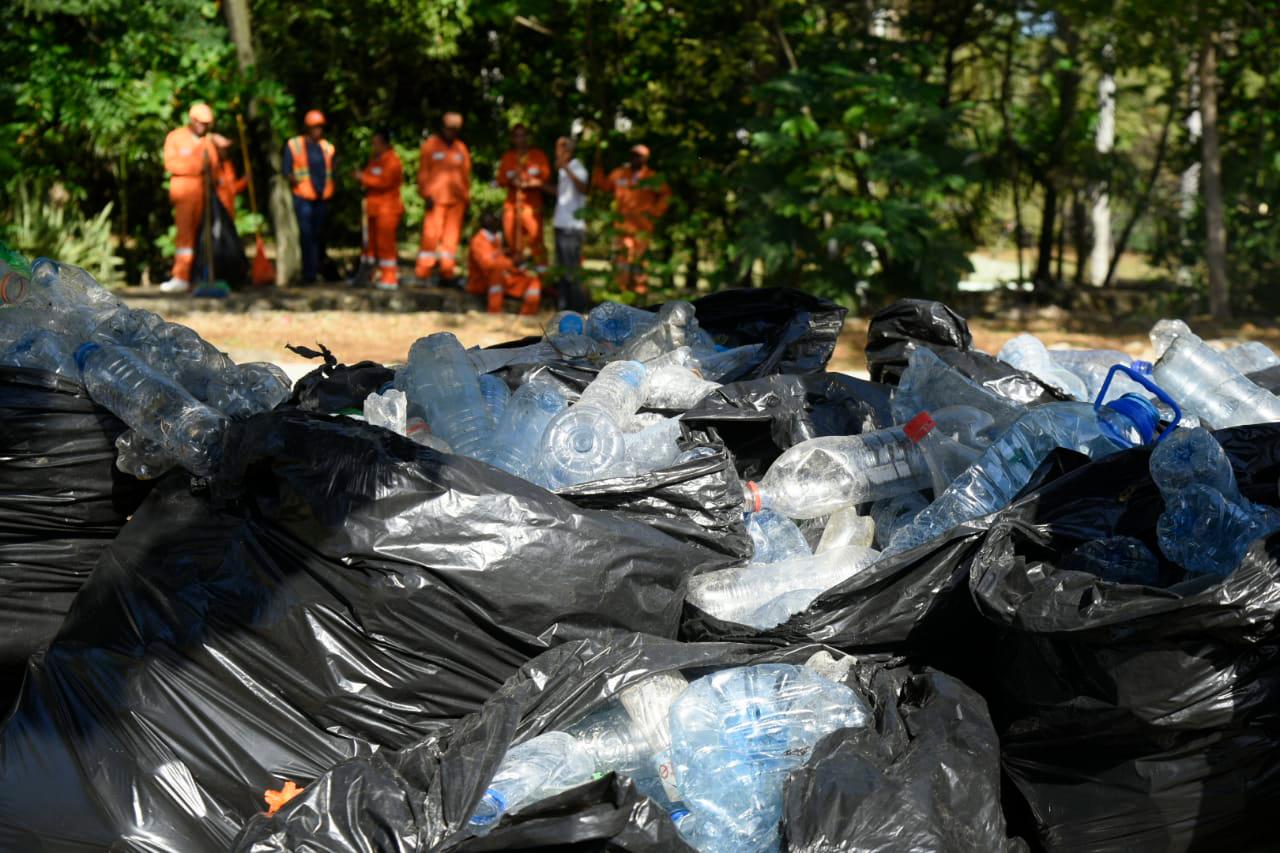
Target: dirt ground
point(386, 338)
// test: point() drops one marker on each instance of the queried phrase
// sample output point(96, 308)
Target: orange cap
point(641, 149)
point(453, 120)
point(200, 112)
point(314, 118)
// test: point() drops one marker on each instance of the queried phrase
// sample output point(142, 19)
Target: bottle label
point(667, 775)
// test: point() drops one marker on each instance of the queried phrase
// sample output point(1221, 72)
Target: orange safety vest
point(302, 172)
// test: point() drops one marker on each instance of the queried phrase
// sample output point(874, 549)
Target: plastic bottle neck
point(1140, 412)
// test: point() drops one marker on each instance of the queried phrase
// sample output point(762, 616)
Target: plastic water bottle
point(541, 767)
point(496, 395)
point(1164, 331)
point(846, 527)
point(586, 442)
point(674, 387)
point(929, 384)
point(819, 476)
point(63, 287)
point(1028, 354)
point(648, 703)
point(945, 457)
point(615, 323)
point(518, 436)
point(693, 454)
point(141, 457)
point(775, 537)
point(727, 365)
point(614, 742)
point(733, 594)
point(554, 348)
point(892, 514)
point(779, 610)
point(14, 278)
point(566, 323)
point(1251, 357)
point(42, 349)
point(248, 389)
point(154, 406)
point(677, 326)
point(1191, 456)
point(129, 327)
point(445, 384)
point(1207, 534)
point(1092, 366)
point(1202, 380)
point(389, 410)
point(1118, 559)
point(655, 447)
point(736, 735)
point(991, 483)
point(189, 359)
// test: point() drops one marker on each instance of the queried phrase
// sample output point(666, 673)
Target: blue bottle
point(1118, 559)
point(1207, 534)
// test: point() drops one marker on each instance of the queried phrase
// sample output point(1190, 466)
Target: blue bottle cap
point(1141, 413)
point(678, 815)
point(571, 324)
point(82, 354)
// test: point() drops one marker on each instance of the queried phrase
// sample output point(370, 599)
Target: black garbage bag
point(760, 418)
point(1131, 717)
point(345, 590)
point(799, 330)
point(1268, 378)
point(229, 261)
point(64, 501)
point(335, 387)
point(909, 323)
point(423, 795)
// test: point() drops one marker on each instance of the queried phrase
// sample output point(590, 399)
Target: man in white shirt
point(571, 196)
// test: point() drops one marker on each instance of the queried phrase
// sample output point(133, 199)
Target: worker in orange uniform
point(444, 182)
point(383, 207)
point(524, 171)
point(641, 198)
point(226, 184)
point(189, 154)
point(491, 272)
point(308, 164)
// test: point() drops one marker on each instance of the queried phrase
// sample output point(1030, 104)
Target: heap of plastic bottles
point(174, 390)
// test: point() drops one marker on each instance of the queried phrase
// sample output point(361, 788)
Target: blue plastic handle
point(1145, 382)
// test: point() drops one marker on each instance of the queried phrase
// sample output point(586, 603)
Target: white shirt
point(569, 199)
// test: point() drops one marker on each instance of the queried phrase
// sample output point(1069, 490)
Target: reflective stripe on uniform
point(448, 255)
point(495, 288)
point(426, 254)
point(386, 263)
point(184, 251)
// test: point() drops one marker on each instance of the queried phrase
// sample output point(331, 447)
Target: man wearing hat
point(641, 198)
point(189, 152)
point(444, 182)
point(308, 164)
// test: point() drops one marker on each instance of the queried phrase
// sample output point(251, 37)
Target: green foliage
point(44, 221)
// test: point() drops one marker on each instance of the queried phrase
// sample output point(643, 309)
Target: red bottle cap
point(919, 426)
point(755, 494)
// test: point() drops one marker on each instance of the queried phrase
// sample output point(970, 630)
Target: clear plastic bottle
point(648, 703)
point(1190, 456)
point(389, 410)
point(775, 537)
point(614, 742)
point(727, 365)
point(677, 326)
point(992, 482)
point(1028, 354)
point(946, 458)
point(518, 437)
point(586, 442)
point(1118, 559)
point(929, 384)
point(1201, 379)
point(64, 286)
point(127, 327)
point(541, 767)
point(141, 457)
point(819, 476)
point(892, 514)
point(655, 447)
point(846, 527)
point(674, 387)
point(42, 349)
point(1164, 331)
point(154, 406)
point(695, 453)
point(731, 594)
point(1207, 534)
point(615, 323)
point(443, 382)
point(496, 395)
point(779, 610)
point(248, 389)
point(1250, 357)
point(738, 733)
point(1092, 366)
point(180, 353)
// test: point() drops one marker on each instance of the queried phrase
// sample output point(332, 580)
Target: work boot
point(175, 285)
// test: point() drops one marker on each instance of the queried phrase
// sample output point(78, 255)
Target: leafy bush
point(45, 221)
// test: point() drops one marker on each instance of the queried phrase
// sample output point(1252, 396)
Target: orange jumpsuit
point(444, 176)
point(641, 200)
point(185, 158)
point(523, 207)
point(229, 186)
point(383, 207)
point(490, 273)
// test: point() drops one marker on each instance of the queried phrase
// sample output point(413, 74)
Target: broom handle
point(248, 165)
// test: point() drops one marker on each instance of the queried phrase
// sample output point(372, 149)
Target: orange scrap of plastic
point(277, 799)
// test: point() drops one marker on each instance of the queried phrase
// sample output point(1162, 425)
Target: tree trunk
point(1100, 256)
point(1145, 199)
point(1062, 241)
point(280, 200)
point(691, 270)
point(1211, 171)
point(1044, 249)
point(1079, 235)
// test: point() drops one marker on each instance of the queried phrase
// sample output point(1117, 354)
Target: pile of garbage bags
point(655, 580)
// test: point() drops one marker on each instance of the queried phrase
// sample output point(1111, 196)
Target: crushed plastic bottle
point(586, 442)
point(675, 387)
point(243, 390)
point(154, 406)
point(846, 527)
point(496, 395)
point(445, 385)
point(1163, 333)
point(64, 287)
point(693, 454)
point(1207, 534)
point(945, 457)
point(1191, 456)
point(733, 594)
point(1201, 379)
point(892, 514)
point(389, 410)
point(534, 770)
point(179, 352)
point(614, 742)
point(1118, 559)
point(655, 447)
point(780, 610)
point(991, 483)
point(677, 326)
point(1028, 354)
point(727, 365)
point(1250, 357)
point(518, 436)
point(819, 476)
point(141, 457)
point(1092, 366)
point(929, 384)
point(648, 703)
point(775, 537)
point(736, 735)
point(42, 349)
point(615, 323)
